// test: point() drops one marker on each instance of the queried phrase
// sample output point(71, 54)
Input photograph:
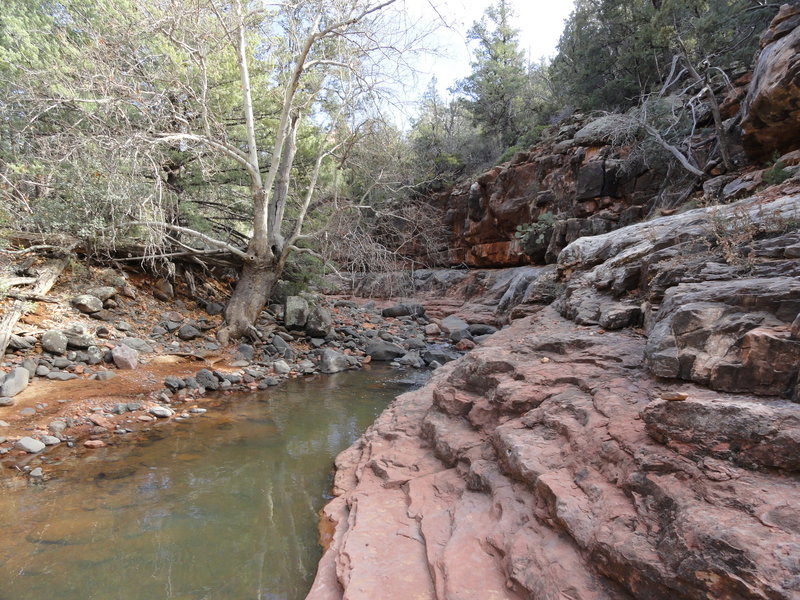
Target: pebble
point(94, 444)
point(36, 473)
point(27, 412)
point(4, 424)
point(674, 396)
point(198, 411)
point(49, 440)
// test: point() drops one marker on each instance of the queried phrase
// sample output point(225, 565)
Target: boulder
point(103, 293)
point(452, 324)
point(281, 367)
point(54, 341)
point(137, 344)
point(125, 357)
point(189, 332)
point(403, 310)
point(206, 378)
point(382, 350)
point(14, 382)
point(283, 348)
point(29, 445)
point(771, 122)
point(295, 312)
point(87, 304)
point(77, 337)
point(319, 322)
point(332, 361)
point(162, 412)
point(214, 308)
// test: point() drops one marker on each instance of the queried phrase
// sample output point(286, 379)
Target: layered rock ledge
point(630, 440)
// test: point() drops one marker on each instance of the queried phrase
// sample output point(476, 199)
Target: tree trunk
point(249, 298)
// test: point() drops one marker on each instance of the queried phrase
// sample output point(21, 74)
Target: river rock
point(29, 445)
point(104, 293)
point(77, 337)
point(296, 311)
point(36, 473)
point(214, 308)
point(283, 348)
point(54, 341)
point(137, 344)
point(404, 310)
point(245, 352)
point(7, 402)
point(49, 440)
point(162, 412)
point(319, 322)
point(88, 304)
point(14, 382)
point(189, 332)
point(174, 383)
point(432, 329)
point(207, 379)
point(106, 375)
point(281, 367)
point(384, 351)
point(332, 361)
point(125, 357)
point(57, 427)
point(453, 324)
point(61, 376)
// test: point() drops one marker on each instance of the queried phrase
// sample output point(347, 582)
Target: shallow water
point(221, 507)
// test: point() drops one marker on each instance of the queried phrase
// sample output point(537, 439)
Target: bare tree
point(155, 92)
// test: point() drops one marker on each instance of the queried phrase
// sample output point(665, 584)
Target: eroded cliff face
point(590, 186)
point(573, 173)
point(635, 439)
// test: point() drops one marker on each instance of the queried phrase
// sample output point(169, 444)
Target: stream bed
point(220, 507)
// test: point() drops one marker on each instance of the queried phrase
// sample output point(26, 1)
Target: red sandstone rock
point(507, 477)
point(94, 444)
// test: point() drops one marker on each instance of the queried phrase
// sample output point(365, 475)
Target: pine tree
point(496, 86)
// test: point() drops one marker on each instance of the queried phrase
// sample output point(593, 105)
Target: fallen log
point(48, 274)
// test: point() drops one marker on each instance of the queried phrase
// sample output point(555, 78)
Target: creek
point(223, 506)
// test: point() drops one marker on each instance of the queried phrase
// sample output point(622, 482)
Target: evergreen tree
point(496, 86)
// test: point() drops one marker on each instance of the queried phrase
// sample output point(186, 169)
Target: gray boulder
point(281, 367)
point(29, 445)
point(188, 332)
point(54, 342)
point(77, 337)
point(137, 344)
point(482, 329)
point(332, 361)
point(319, 322)
point(283, 348)
point(162, 412)
point(104, 293)
point(383, 351)
point(453, 323)
point(87, 304)
point(295, 312)
point(125, 357)
point(403, 310)
point(16, 381)
point(207, 379)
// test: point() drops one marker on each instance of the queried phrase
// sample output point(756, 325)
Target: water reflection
point(221, 510)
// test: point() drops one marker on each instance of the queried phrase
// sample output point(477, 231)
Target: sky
point(540, 23)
